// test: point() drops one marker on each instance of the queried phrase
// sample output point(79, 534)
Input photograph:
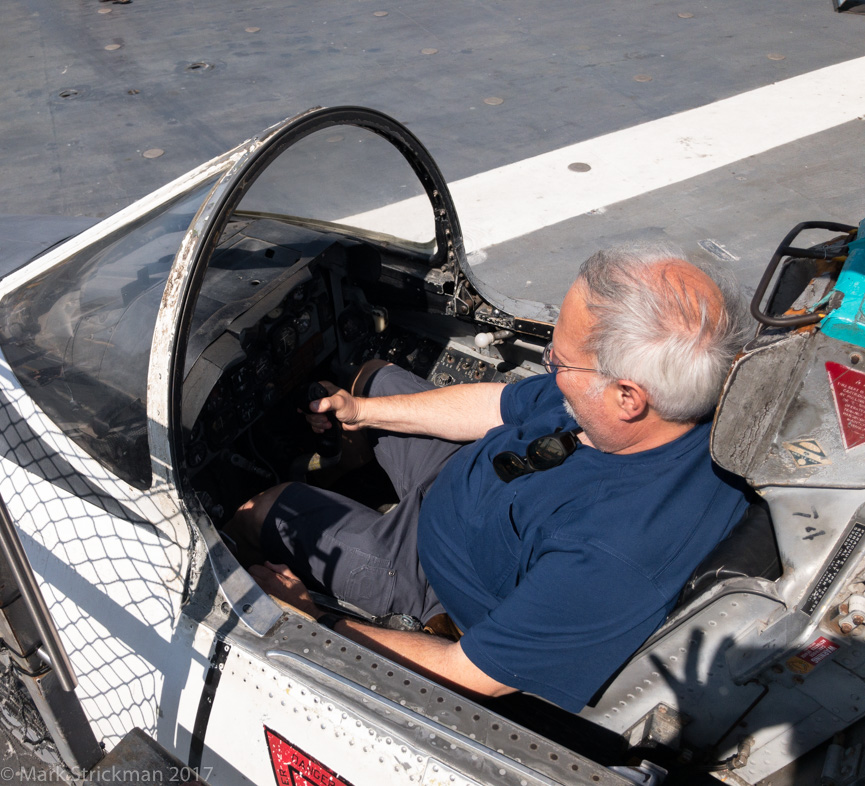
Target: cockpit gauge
point(247, 409)
point(221, 430)
point(354, 324)
point(262, 367)
point(242, 379)
point(303, 322)
point(217, 400)
point(283, 340)
point(297, 296)
point(195, 454)
point(268, 395)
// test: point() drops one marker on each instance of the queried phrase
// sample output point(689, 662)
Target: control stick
point(329, 443)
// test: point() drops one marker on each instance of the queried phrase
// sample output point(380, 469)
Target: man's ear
point(631, 400)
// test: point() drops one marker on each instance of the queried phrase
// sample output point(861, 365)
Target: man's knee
point(361, 381)
point(250, 516)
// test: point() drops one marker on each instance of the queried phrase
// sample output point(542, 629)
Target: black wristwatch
point(328, 620)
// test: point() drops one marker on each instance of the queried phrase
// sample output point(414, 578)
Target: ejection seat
point(654, 695)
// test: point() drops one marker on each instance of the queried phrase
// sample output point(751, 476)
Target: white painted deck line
point(514, 200)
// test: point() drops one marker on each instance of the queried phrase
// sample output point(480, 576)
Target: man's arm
point(444, 661)
point(461, 413)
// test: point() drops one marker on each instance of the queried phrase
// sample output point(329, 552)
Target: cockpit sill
point(339, 679)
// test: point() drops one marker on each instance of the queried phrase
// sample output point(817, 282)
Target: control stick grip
point(329, 442)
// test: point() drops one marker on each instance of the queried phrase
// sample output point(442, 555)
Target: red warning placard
point(848, 390)
point(293, 767)
point(813, 655)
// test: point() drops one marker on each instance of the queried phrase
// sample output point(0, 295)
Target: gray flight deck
point(91, 88)
point(103, 102)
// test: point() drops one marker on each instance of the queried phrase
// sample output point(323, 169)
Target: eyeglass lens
point(547, 358)
point(546, 452)
point(509, 465)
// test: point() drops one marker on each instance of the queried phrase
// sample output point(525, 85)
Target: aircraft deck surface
point(664, 121)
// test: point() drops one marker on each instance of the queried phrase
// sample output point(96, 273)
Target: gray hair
point(679, 349)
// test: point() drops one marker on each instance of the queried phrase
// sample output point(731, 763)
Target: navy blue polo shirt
point(559, 576)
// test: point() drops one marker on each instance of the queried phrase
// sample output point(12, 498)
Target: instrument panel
point(271, 317)
point(258, 366)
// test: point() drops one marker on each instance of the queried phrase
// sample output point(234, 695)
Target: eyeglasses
point(552, 368)
point(542, 453)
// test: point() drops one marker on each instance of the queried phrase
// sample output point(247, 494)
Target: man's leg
point(341, 547)
point(244, 528)
point(359, 387)
point(351, 552)
point(410, 461)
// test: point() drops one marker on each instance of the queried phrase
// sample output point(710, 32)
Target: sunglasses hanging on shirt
point(542, 453)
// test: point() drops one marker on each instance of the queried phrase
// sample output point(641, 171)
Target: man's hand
point(279, 581)
point(346, 407)
point(460, 413)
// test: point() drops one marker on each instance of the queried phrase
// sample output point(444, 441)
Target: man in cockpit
point(556, 519)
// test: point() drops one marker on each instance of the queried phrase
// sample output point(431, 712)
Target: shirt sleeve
point(524, 399)
point(577, 615)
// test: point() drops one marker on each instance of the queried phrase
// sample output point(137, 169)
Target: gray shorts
point(347, 550)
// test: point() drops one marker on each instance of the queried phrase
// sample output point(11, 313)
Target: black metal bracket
point(786, 249)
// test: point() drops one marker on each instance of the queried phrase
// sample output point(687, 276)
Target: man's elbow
point(467, 675)
point(493, 692)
